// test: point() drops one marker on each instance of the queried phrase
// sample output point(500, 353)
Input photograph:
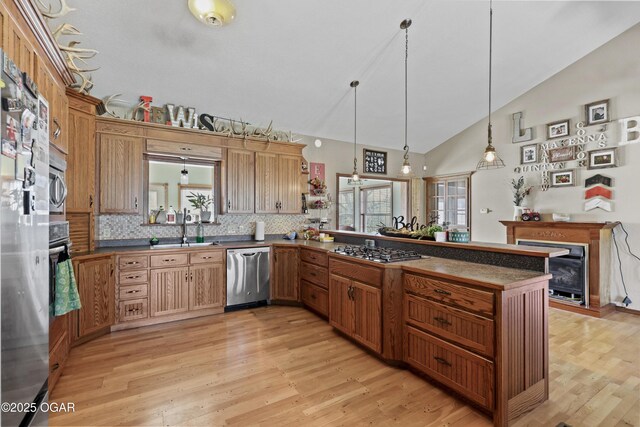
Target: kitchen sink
point(186, 245)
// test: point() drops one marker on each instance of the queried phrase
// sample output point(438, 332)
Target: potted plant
point(319, 186)
point(201, 202)
point(520, 191)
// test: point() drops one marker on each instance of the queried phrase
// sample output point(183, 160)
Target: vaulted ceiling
point(291, 61)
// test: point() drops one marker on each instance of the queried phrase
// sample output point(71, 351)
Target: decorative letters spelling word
point(629, 130)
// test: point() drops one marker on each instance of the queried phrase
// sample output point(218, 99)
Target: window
point(448, 199)
point(346, 210)
point(375, 207)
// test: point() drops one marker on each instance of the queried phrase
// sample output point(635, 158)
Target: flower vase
point(517, 213)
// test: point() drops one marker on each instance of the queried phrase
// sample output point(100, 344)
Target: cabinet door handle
point(313, 296)
point(441, 361)
point(135, 202)
point(442, 321)
point(58, 130)
point(133, 292)
point(55, 367)
point(132, 262)
point(169, 260)
point(443, 292)
point(133, 277)
point(191, 277)
point(313, 273)
point(132, 310)
point(229, 204)
point(207, 257)
point(90, 201)
point(185, 148)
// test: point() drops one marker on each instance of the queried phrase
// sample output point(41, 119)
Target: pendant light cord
point(406, 92)
point(490, 66)
point(355, 127)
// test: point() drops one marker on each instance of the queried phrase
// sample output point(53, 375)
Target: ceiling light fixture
point(355, 178)
point(184, 174)
point(213, 12)
point(490, 159)
point(406, 166)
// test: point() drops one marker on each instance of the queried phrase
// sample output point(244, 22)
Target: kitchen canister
point(259, 236)
point(459, 236)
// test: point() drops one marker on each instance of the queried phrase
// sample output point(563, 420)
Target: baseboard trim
point(628, 310)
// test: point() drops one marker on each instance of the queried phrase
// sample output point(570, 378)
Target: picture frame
point(529, 154)
point(563, 178)
point(562, 154)
point(559, 129)
point(374, 161)
point(597, 112)
point(603, 158)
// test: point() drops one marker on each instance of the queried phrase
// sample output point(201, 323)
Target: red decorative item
point(147, 107)
point(529, 215)
point(598, 190)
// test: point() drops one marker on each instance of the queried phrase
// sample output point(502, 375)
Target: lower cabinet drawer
point(468, 374)
point(139, 276)
point(451, 294)
point(464, 328)
point(134, 291)
point(314, 274)
point(133, 309)
point(129, 262)
point(169, 260)
point(315, 297)
point(57, 356)
point(205, 257)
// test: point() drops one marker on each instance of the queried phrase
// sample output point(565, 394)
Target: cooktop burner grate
point(383, 255)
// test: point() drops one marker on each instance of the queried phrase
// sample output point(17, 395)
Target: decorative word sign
point(629, 130)
point(398, 223)
point(178, 119)
point(375, 161)
point(146, 107)
point(316, 170)
point(519, 134)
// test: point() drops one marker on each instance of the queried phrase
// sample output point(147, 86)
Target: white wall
point(612, 71)
point(338, 158)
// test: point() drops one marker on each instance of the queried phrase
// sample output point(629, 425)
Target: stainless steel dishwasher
point(247, 277)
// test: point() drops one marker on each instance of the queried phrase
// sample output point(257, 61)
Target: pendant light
point(215, 13)
point(355, 178)
point(490, 159)
point(406, 166)
point(184, 174)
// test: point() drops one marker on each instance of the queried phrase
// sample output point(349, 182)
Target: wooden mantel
point(598, 237)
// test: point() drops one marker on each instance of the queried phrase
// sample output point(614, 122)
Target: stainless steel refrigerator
point(24, 245)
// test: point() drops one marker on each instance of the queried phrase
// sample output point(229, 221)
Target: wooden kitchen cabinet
point(278, 183)
point(206, 286)
point(169, 291)
point(356, 309)
point(81, 170)
point(120, 166)
point(285, 277)
point(240, 181)
point(96, 286)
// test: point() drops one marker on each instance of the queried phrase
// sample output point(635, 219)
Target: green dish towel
point(67, 298)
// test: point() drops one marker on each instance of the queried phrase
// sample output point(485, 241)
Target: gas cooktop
point(383, 255)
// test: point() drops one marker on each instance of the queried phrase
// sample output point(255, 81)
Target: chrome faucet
point(184, 228)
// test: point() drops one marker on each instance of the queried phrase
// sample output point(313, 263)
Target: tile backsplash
point(119, 227)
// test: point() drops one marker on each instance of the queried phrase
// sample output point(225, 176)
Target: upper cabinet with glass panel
point(365, 208)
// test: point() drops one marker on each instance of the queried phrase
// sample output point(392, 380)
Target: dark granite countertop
point(463, 271)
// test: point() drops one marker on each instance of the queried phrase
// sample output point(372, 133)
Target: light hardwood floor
point(281, 366)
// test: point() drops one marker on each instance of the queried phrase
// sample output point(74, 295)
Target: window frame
point(363, 203)
point(445, 179)
point(408, 181)
point(352, 191)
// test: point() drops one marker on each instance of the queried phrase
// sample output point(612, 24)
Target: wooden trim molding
point(42, 33)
